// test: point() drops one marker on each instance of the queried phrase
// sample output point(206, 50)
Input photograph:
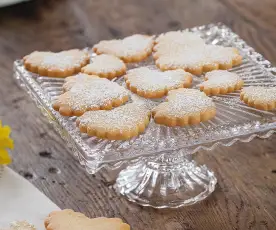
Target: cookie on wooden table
point(69, 220)
point(134, 48)
point(259, 97)
point(184, 107)
point(153, 83)
point(105, 66)
point(220, 82)
point(61, 64)
point(121, 123)
point(93, 94)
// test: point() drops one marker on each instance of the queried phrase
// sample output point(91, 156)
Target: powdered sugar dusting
point(127, 47)
point(261, 94)
point(185, 102)
point(146, 79)
point(122, 118)
point(179, 38)
point(94, 93)
point(63, 60)
point(80, 78)
point(221, 79)
point(189, 57)
point(104, 63)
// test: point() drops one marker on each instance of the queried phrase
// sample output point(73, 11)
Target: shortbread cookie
point(95, 94)
point(134, 48)
point(105, 66)
point(120, 123)
point(81, 78)
point(220, 82)
point(184, 107)
point(61, 64)
point(259, 97)
point(199, 59)
point(183, 38)
point(152, 83)
point(69, 220)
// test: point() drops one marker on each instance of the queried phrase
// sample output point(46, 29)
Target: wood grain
point(245, 195)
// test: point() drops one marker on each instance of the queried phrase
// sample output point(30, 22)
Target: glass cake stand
point(155, 169)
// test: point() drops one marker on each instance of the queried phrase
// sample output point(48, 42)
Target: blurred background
point(62, 24)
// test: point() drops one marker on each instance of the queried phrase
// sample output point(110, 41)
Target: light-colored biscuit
point(120, 123)
point(93, 94)
point(105, 66)
point(178, 38)
point(184, 107)
point(134, 48)
point(61, 64)
point(152, 83)
point(81, 78)
point(198, 59)
point(259, 97)
point(69, 220)
point(220, 82)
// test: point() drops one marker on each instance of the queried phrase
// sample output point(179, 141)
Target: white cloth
point(20, 200)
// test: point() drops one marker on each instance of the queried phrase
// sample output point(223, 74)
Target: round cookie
point(120, 123)
point(184, 107)
point(262, 98)
point(105, 66)
point(134, 48)
point(93, 94)
point(61, 64)
point(220, 82)
point(151, 83)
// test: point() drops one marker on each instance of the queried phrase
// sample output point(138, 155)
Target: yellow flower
point(5, 142)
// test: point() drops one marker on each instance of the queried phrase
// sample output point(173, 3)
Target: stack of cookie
point(99, 102)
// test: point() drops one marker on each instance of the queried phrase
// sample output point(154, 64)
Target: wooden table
point(245, 197)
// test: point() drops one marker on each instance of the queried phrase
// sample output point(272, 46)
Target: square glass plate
point(234, 119)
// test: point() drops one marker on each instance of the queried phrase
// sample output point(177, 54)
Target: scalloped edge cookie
point(105, 66)
point(121, 123)
point(59, 64)
point(152, 83)
point(134, 48)
point(262, 98)
point(184, 107)
point(68, 219)
point(93, 94)
point(220, 82)
point(80, 78)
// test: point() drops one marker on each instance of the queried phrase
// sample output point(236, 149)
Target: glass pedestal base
point(163, 184)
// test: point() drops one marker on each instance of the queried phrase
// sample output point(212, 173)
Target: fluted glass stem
point(166, 182)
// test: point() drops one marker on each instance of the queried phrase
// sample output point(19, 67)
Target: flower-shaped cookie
point(220, 82)
point(61, 64)
point(180, 38)
point(81, 78)
point(151, 83)
point(199, 59)
point(68, 219)
point(259, 97)
point(134, 48)
point(184, 107)
point(120, 123)
point(92, 94)
point(105, 66)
